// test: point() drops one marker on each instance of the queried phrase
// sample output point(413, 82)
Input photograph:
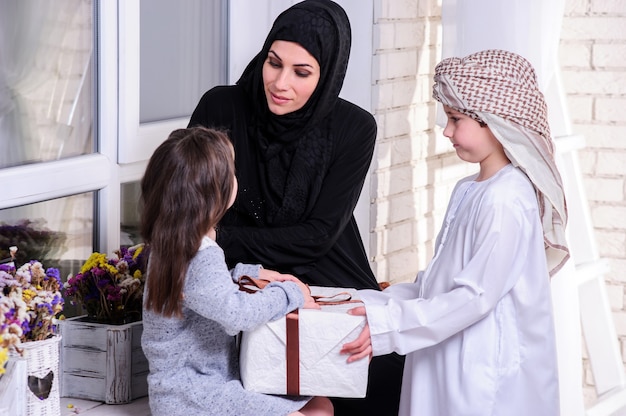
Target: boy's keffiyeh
point(500, 88)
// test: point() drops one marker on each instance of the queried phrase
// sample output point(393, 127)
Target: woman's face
point(290, 75)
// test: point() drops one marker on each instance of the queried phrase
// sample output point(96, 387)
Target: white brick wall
point(593, 61)
point(414, 169)
point(402, 214)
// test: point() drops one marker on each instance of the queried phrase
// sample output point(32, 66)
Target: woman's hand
point(269, 275)
point(362, 346)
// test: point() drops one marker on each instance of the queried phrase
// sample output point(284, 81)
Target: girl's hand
point(362, 346)
point(309, 302)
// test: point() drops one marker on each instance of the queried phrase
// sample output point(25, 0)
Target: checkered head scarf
point(500, 89)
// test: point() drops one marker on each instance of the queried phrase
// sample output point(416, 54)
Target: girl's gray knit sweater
point(194, 363)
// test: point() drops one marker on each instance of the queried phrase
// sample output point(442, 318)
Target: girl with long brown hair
point(193, 307)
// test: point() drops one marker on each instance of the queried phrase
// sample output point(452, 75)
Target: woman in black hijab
point(301, 167)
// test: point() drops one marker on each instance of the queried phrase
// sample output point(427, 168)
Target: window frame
point(123, 144)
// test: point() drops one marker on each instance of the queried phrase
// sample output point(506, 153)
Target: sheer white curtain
point(46, 106)
point(532, 29)
point(22, 23)
point(45, 80)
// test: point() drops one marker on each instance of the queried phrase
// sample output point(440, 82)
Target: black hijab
point(296, 147)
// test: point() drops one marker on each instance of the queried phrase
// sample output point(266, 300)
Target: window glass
point(58, 233)
point(46, 91)
point(55, 231)
point(129, 211)
point(182, 53)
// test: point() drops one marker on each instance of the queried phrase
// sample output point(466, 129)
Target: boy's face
point(473, 143)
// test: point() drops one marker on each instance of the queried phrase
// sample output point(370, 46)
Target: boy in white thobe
point(477, 324)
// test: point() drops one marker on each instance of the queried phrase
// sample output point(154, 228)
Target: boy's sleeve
point(401, 321)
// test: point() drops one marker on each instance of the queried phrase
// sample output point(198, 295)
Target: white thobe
point(476, 326)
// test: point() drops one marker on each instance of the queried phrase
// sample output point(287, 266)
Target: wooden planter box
point(102, 362)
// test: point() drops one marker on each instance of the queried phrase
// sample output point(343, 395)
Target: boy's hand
point(362, 346)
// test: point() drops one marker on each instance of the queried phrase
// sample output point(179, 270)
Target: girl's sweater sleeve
point(210, 292)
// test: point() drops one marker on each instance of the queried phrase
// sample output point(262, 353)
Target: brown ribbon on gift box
point(293, 353)
point(251, 285)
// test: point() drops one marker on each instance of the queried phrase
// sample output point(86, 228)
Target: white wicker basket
point(42, 358)
point(12, 391)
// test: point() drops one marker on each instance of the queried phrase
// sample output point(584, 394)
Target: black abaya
point(300, 176)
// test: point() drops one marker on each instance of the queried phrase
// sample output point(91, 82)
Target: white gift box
point(321, 335)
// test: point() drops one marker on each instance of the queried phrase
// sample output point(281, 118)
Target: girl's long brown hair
point(184, 192)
